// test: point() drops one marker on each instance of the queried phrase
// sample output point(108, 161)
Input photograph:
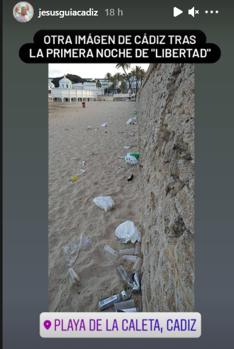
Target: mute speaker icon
point(193, 12)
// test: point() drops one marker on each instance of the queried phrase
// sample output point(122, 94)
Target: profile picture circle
point(23, 12)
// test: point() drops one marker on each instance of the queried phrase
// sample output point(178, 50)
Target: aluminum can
point(108, 302)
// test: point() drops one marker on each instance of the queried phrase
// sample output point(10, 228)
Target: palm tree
point(98, 84)
point(118, 77)
point(108, 77)
point(142, 75)
point(133, 74)
point(114, 81)
point(137, 74)
point(125, 67)
point(123, 86)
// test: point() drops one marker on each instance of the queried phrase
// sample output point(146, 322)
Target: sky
point(87, 70)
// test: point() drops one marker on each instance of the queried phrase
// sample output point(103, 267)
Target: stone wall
point(165, 106)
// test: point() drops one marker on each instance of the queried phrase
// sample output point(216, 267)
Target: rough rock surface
point(166, 145)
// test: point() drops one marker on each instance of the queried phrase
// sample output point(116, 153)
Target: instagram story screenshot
point(117, 163)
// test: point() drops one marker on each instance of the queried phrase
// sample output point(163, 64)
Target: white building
point(105, 83)
point(68, 92)
point(50, 85)
point(65, 83)
point(89, 86)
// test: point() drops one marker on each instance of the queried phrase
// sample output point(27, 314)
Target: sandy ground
point(71, 207)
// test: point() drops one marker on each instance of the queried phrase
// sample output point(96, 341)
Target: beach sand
point(71, 207)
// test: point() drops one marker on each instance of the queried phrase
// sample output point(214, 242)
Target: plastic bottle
point(130, 258)
point(137, 265)
point(130, 310)
point(125, 305)
point(123, 274)
point(137, 249)
point(110, 250)
point(74, 276)
point(127, 251)
point(136, 155)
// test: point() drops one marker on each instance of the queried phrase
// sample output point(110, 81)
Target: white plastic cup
point(110, 250)
point(130, 258)
point(127, 251)
point(137, 265)
point(137, 249)
point(130, 310)
point(123, 273)
point(125, 305)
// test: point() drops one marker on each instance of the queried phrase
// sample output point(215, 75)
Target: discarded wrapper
point(73, 178)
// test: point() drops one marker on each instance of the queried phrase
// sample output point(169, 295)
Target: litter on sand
point(127, 147)
point(72, 250)
point(75, 177)
point(131, 158)
point(105, 124)
point(110, 250)
point(130, 258)
point(75, 278)
point(104, 202)
point(127, 251)
point(132, 121)
point(137, 264)
point(136, 155)
point(129, 231)
point(108, 302)
point(123, 274)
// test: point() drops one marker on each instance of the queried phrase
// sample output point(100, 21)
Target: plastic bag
point(72, 250)
point(127, 230)
point(131, 159)
point(132, 121)
point(104, 202)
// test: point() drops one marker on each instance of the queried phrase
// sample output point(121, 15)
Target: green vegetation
point(75, 79)
point(98, 84)
point(118, 80)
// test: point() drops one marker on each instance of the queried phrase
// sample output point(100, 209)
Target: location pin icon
point(47, 324)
